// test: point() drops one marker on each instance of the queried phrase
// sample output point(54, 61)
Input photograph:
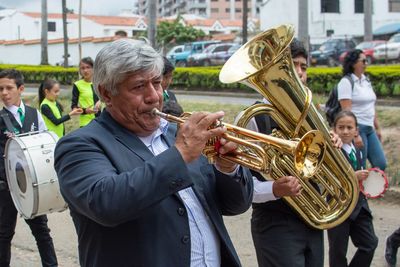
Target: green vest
point(58, 129)
point(85, 101)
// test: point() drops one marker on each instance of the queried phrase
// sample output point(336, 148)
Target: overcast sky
point(94, 7)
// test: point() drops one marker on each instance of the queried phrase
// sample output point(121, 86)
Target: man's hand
point(194, 133)
point(286, 186)
point(337, 142)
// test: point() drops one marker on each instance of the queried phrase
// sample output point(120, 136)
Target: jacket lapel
point(125, 137)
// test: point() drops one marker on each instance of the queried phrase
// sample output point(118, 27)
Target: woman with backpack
point(359, 97)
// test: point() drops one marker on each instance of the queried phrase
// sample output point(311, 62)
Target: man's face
point(166, 81)
point(10, 93)
point(300, 64)
point(137, 95)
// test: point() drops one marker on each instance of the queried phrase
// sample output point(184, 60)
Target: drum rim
point(34, 180)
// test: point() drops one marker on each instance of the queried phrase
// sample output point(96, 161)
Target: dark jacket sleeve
point(235, 193)
point(75, 97)
point(46, 111)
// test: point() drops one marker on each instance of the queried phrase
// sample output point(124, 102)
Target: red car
point(367, 48)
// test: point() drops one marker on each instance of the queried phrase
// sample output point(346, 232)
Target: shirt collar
point(348, 148)
point(162, 129)
point(356, 79)
point(14, 109)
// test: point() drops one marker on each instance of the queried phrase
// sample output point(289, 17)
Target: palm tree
point(368, 20)
point(80, 31)
point(64, 18)
point(244, 21)
point(303, 23)
point(43, 39)
point(152, 16)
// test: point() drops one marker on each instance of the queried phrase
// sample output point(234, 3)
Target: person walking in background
point(83, 95)
point(358, 226)
point(170, 105)
point(392, 245)
point(139, 190)
point(18, 118)
point(360, 98)
point(51, 109)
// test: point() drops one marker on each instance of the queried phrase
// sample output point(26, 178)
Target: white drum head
point(375, 185)
point(31, 176)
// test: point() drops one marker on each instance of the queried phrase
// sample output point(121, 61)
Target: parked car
point(181, 58)
point(367, 48)
point(216, 54)
point(389, 50)
point(174, 50)
point(330, 50)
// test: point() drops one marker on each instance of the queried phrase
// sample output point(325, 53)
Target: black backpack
point(332, 105)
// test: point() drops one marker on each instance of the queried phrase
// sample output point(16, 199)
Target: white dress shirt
point(205, 244)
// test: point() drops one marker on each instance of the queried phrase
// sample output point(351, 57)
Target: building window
point(238, 10)
point(358, 6)
point(214, 10)
point(51, 26)
point(227, 10)
point(330, 6)
point(394, 5)
point(214, 0)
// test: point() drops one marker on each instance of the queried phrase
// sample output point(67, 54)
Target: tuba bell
point(265, 64)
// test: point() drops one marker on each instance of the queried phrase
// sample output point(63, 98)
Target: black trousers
point(395, 238)
point(284, 240)
point(362, 234)
point(38, 226)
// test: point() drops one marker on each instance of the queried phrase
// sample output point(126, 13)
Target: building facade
point(214, 9)
point(329, 17)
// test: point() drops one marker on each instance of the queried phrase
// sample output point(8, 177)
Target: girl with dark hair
point(358, 226)
point(360, 99)
point(83, 95)
point(51, 109)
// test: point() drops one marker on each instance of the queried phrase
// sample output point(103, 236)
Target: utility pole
point(64, 18)
point(368, 20)
point(43, 40)
point(244, 22)
point(152, 16)
point(303, 23)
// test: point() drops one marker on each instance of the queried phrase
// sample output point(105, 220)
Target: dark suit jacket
point(124, 200)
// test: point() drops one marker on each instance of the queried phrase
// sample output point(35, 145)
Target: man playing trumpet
point(139, 191)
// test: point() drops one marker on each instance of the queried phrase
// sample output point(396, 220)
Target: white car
point(389, 50)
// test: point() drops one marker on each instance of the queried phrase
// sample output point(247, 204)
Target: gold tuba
point(265, 64)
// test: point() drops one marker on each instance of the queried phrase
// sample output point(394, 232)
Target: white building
point(340, 17)
point(21, 33)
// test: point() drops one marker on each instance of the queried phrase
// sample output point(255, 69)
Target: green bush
point(385, 79)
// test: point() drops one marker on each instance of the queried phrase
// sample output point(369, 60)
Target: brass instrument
point(265, 64)
point(308, 151)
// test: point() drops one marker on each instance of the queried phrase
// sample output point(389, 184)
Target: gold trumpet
point(308, 152)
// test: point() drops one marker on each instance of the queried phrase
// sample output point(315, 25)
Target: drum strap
point(7, 120)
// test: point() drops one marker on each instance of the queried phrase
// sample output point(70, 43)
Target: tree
point(43, 39)
point(368, 20)
point(244, 21)
point(176, 33)
point(303, 23)
point(152, 16)
point(64, 18)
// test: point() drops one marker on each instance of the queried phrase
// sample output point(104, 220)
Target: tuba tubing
point(264, 64)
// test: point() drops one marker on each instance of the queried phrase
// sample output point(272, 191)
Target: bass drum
point(33, 182)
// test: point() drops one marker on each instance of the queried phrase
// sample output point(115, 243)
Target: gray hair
point(121, 58)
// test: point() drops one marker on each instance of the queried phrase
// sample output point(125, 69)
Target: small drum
point(33, 182)
point(375, 185)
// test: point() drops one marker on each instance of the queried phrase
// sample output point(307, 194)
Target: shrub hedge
point(385, 79)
